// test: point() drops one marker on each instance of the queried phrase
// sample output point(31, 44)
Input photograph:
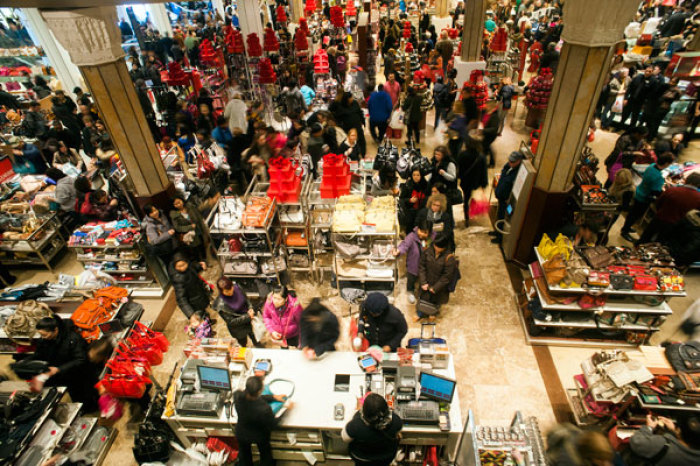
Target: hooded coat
point(191, 293)
point(382, 323)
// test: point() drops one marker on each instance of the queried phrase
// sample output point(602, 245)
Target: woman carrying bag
point(444, 170)
point(282, 316)
point(233, 306)
point(160, 235)
point(473, 170)
point(437, 266)
point(186, 223)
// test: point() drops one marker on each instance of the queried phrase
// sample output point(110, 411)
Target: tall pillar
point(583, 67)
point(66, 71)
point(472, 38)
point(297, 10)
point(159, 16)
point(93, 40)
point(442, 8)
point(249, 18)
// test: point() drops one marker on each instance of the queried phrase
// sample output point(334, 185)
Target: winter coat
point(191, 293)
point(67, 352)
point(505, 182)
point(157, 230)
point(437, 272)
point(284, 321)
point(386, 329)
point(237, 320)
point(411, 105)
point(412, 247)
point(379, 106)
point(320, 339)
point(66, 194)
point(183, 225)
point(473, 174)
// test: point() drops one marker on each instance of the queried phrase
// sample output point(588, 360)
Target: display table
point(309, 428)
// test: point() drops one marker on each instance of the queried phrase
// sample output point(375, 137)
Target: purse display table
point(309, 428)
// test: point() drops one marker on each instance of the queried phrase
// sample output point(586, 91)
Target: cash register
point(434, 389)
point(207, 395)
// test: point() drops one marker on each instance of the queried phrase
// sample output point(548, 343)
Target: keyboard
point(200, 404)
point(419, 412)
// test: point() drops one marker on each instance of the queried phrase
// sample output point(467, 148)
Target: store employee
point(255, 421)
point(381, 323)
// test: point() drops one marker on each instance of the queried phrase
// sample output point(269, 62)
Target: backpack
point(341, 64)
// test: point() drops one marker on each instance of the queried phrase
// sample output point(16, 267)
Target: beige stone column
point(472, 38)
point(297, 10)
point(249, 18)
point(92, 38)
point(442, 8)
point(592, 28)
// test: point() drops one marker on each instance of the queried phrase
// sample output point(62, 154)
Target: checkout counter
point(311, 429)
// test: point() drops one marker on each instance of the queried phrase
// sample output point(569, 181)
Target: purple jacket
point(284, 322)
point(411, 246)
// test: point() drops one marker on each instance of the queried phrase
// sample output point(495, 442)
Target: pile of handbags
point(351, 213)
point(95, 311)
point(129, 369)
point(387, 156)
point(22, 323)
point(229, 213)
point(410, 160)
point(258, 211)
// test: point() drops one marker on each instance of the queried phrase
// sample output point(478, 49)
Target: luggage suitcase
point(413, 343)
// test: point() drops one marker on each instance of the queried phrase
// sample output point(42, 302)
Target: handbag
point(382, 249)
point(598, 257)
point(125, 386)
point(22, 324)
point(349, 247)
point(645, 283)
point(27, 369)
point(241, 267)
point(426, 307)
point(298, 261)
point(205, 167)
point(352, 268)
point(554, 270)
point(621, 281)
point(684, 356)
point(254, 244)
point(296, 239)
point(276, 264)
point(455, 197)
point(258, 326)
point(478, 207)
point(147, 333)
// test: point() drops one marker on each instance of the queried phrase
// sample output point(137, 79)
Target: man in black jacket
point(255, 421)
point(381, 323)
point(319, 330)
point(34, 124)
point(505, 186)
point(636, 96)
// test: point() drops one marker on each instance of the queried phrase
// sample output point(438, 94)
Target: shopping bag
point(258, 325)
point(156, 337)
point(478, 207)
point(617, 106)
point(146, 348)
point(397, 119)
point(125, 386)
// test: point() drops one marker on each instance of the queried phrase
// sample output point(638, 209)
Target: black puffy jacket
point(387, 329)
point(191, 293)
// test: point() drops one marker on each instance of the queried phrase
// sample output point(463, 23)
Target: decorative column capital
point(90, 35)
point(597, 23)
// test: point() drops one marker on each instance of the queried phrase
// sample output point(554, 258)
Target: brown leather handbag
point(598, 257)
point(554, 270)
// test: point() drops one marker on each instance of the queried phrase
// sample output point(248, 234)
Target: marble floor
point(498, 372)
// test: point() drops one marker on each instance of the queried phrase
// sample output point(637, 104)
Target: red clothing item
point(675, 202)
point(393, 90)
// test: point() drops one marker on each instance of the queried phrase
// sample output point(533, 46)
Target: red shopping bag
point(363, 343)
point(156, 337)
point(431, 457)
point(479, 207)
point(126, 361)
point(125, 386)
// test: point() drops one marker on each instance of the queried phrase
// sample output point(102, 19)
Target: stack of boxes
point(285, 184)
point(270, 42)
point(267, 74)
point(336, 178)
point(253, 45)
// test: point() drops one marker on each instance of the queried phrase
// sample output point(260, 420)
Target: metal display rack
point(40, 248)
point(270, 232)
point(644, 319)
point(151, 278)
point(321, 217)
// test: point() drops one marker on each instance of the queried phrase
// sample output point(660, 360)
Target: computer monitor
point(437, 387)
point(214, 378)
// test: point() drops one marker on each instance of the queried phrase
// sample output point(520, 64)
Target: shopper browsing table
point(679, 446)
point(233, 306)
point(651, 187)
point(65, 352)
point(373, 433)
point(281, 314)
point(437, 266)
point(255, 421)
point(319, 330)
point(671, 207)
point(381, 323)
point(437, 214)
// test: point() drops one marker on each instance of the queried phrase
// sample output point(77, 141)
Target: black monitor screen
point(214, 378)
point(436, 387)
